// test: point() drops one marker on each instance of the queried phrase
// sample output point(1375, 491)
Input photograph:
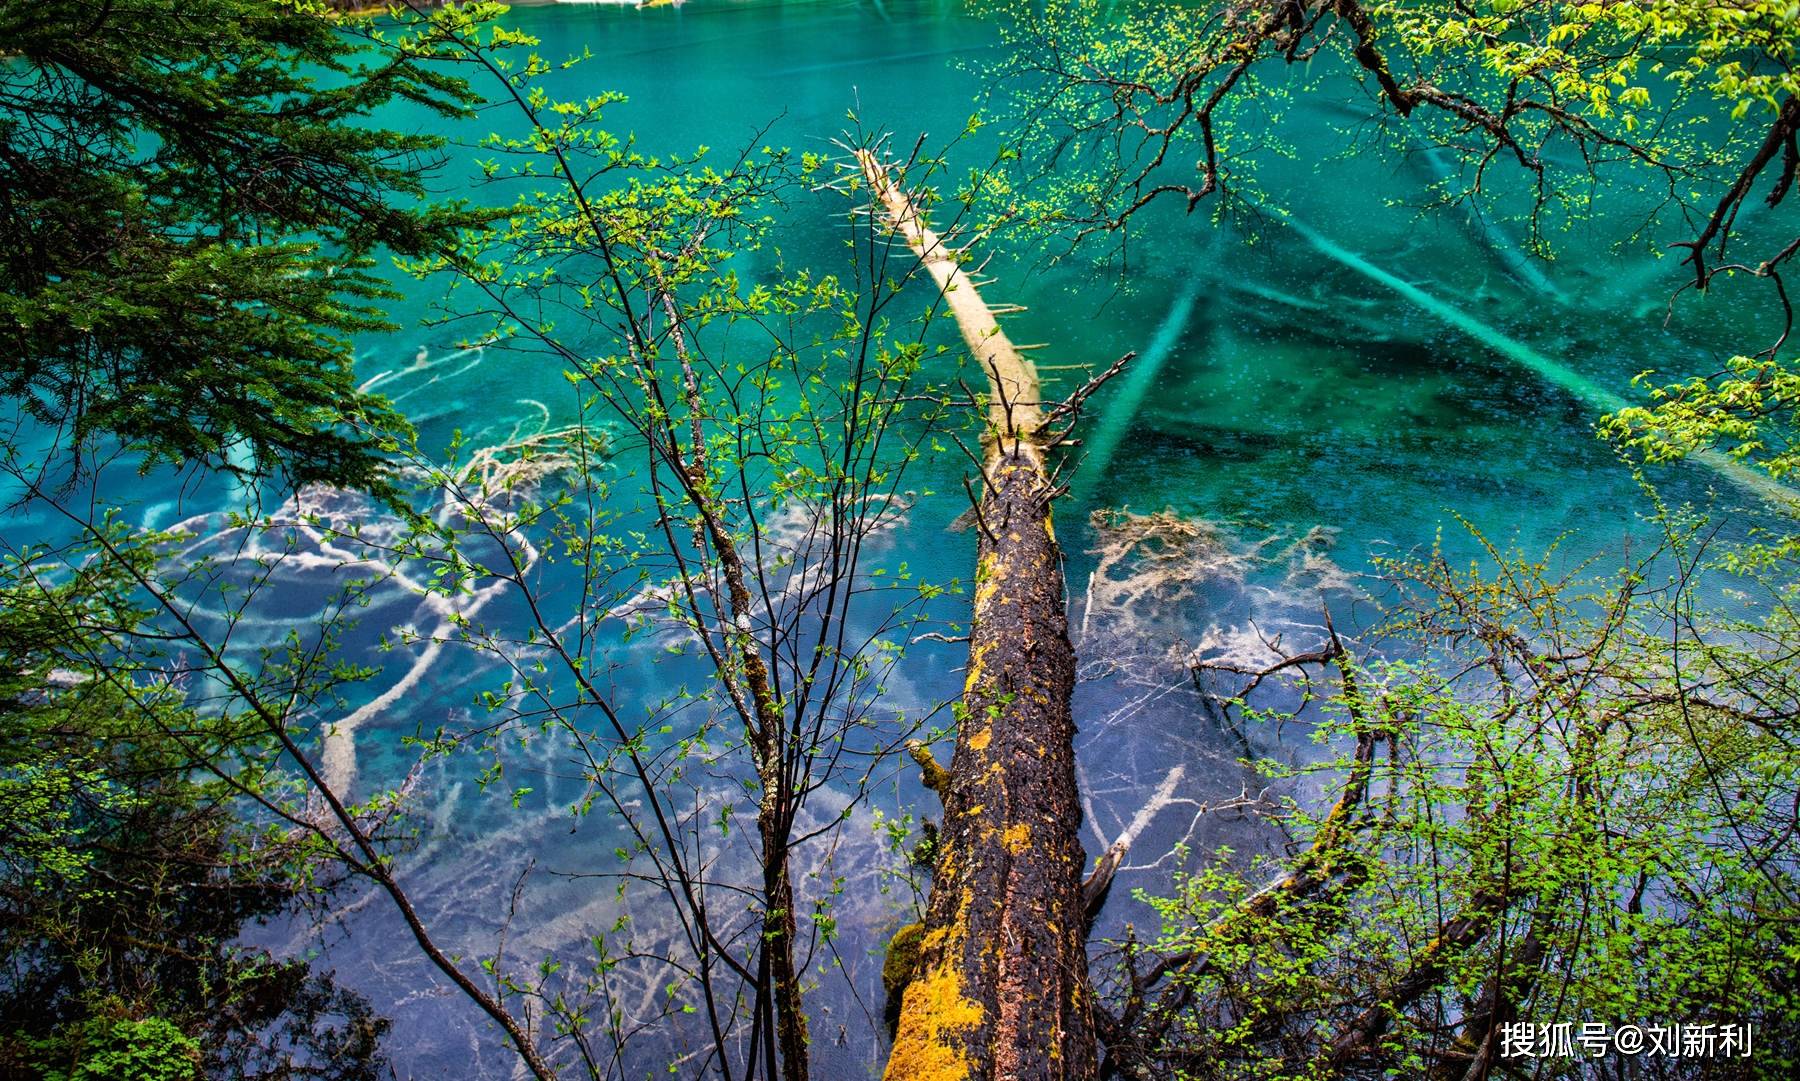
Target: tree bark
point(1001, 989)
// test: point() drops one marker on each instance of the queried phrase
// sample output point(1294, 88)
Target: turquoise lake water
point(1299, 389)
point(1297, 392)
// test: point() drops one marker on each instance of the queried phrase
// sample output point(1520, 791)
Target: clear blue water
point(1294, 392)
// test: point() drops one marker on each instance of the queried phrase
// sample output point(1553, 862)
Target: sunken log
point(999, 990)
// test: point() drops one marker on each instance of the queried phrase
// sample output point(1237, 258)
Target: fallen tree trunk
point(1000, 989)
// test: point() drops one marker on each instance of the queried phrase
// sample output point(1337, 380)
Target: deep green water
point(1292, 391)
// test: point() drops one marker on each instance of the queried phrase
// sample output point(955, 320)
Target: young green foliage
point(127, 871)
point(1550, 816)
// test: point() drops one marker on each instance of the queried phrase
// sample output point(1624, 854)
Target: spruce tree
point(190, 199)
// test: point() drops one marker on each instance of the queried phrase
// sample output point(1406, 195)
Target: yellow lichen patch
point(930, 1045)
point(989, 569)
point(1018, 838)
point(979, 740)
point(977, 658)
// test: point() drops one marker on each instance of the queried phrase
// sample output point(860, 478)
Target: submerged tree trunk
point(1001, 989)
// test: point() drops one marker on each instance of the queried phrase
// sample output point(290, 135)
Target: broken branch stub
point(1001, 991)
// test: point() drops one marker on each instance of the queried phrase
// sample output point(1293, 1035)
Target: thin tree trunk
point(1001, 988)
point(779, 941)
point(763, 717)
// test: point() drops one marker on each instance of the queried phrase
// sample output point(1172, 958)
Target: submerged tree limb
point(1327, 868)
point(1001, 987)
point(1587, 391)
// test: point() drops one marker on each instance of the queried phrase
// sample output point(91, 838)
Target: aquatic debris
point(1166, 588)
point(320, 530)
point(1101, 440)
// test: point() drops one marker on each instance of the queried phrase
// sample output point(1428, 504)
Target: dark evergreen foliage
point(189, 199)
